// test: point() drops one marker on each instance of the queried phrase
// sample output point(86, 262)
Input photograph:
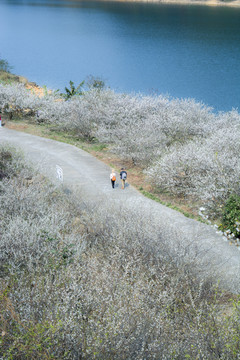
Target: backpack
point(124, 175)
point(114, 178)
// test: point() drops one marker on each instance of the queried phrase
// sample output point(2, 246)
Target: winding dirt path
point(86, 175)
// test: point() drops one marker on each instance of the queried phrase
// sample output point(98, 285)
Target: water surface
point(185, 51)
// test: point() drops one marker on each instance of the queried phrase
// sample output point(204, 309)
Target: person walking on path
point(113, 178)
point(1, 123)
point(123, 177)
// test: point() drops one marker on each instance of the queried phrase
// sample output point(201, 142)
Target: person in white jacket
point(113, 178)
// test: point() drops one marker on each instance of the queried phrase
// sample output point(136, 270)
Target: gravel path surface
point(84, 174)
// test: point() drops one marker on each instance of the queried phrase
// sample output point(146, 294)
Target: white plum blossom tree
point(185, 147)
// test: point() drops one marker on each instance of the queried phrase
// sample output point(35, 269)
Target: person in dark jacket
point(123, 177)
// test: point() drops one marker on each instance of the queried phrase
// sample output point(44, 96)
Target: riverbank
point(196, 2)
point(235, 3)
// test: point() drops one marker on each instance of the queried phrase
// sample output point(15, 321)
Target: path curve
point(81, 171)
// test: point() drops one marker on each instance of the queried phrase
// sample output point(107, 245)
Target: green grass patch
point(170, 205)
point(99, 147)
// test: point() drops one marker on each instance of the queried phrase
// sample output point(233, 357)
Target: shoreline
point(213, 3)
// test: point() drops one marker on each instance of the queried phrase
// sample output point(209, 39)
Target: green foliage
point(92, 83)
point(168, 204)
point(4, 65)
point(231, 216)
point(5, 156)
point(32, 340)
point(45, 90)
point(99, 147)
point(95, 83)
point(5, 73)
point(72, 91)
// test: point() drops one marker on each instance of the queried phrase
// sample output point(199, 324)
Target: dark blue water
point(184, 51)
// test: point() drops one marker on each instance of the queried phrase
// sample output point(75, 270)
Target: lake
point(181, 50)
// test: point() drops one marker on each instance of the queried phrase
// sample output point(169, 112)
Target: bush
point(79, 280)
point(72, 90)
point(184, 147)
point(230, 221)
point(5, 159)
point(206, 169)
point(4, 65)
point(10, 162)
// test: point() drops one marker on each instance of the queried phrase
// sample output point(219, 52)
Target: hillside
point(91, 272)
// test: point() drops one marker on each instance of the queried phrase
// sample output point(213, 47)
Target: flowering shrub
point(10, 164)
point(205, 168)
point(184, 147)
point(17, 100)
point(78, 281)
